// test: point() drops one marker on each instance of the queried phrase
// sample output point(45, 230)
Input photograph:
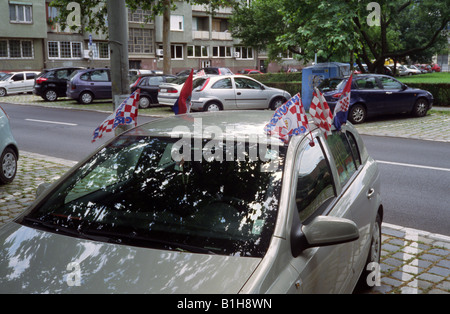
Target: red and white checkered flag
point(125, 114)
point(320, 112)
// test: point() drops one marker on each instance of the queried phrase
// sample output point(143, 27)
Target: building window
point(64, 50)
point(176, 23)
point(222, 52)
point(101, 50)
point(16, 49)
point(140, 16)
point(197, 52)
point(19, 13)
point(176, 52)
point(140, 41)
point(244, 53)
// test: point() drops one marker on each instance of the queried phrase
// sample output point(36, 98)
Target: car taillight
point(73, 86)
point(172, 90)
point(338, 95)
point(40, 80)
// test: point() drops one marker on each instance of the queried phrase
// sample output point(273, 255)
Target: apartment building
point(32, 40)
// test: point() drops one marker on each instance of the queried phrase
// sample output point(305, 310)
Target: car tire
point(144, 102)
point(374, 256)
point(357, 114)
point(50, 95)
point(8, 166)
point(420, 107)
point(3, 92)
point(277, 103)
point(212, 106)
point(85, 98)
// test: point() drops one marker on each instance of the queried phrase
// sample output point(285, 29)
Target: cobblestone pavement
point(413, 261)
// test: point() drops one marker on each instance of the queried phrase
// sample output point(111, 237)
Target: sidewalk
point(412, 262)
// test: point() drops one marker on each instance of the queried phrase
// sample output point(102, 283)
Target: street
point(415, 174)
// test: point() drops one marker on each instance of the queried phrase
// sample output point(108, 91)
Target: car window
point(389, 83)
point(315, 188)
point(30, 76)
point(367, 83)
point(134, 192)
point(243, 83)
point(99, 76)
point(62, 74)
point(17, 77)
point(84, 76)
point(222, 84)
point(354, 148)
point(155, 80)
point(343, 156)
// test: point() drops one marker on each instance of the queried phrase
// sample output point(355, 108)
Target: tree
point(371, 32)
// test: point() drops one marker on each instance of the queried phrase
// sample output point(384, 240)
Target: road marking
point(412, 165)
point(53, 122)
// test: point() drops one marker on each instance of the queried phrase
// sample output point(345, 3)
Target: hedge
point(440, 92)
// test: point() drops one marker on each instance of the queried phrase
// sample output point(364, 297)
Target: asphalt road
point(415, 174)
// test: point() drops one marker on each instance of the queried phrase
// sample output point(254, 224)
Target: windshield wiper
point(120, 238)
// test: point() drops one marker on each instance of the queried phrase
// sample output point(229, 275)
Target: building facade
point(32, 40)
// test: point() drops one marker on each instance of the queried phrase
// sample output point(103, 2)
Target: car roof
point(62, 68)
point(236, 124)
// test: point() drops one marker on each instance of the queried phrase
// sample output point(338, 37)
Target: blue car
point(375, 94)
point(87, 85)
point(9, 153)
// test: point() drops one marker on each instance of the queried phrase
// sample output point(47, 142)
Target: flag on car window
point(125, 114)
point(320, 112)
point(341, 109)
point(288, 120)
point(183, 103)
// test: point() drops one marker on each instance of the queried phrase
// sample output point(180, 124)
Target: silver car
point(17, 82)
point(9, 152)
point(236, 92)
point(168, 207)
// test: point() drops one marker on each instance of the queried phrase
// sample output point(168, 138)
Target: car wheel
point(373, 257)
point(86, 98)
point(2, 92)
point(8, 166)
point(50, 95)
point(420, 107)
point(277, 103)
point(212, 106)
point(144, 102)
point(357, 114)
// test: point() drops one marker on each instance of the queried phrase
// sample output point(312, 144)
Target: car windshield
point(133, 192)
point(6, 77)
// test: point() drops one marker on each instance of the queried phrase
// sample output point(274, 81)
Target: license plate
point(163, 90)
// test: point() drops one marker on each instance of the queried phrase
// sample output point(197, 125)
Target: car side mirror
point(323, 231)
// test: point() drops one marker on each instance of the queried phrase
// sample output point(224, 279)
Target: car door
point(16, 83)
point(223, 90)
point(397, 98)
point(369, 92)
point(100, 84)
point(325, 269)
point(29, 81)
point(250, 94)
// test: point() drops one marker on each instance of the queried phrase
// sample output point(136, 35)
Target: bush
point(291, 88)
point(440, 92)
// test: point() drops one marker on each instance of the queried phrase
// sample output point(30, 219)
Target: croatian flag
point(320, 112)
point(341, 109)
point(125, 114)
point(289, 119)
point(183, 103)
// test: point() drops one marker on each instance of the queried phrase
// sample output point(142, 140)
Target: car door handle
point(370, 193)
point(238, 93)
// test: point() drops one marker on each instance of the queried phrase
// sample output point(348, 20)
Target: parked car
point(250, 72)
point(169, 92)
point(375, 94)
point(414, 69)
point(435, 68)
point(236, 92)
point(87, 85)
point(423, 68)
point(52, 83)
point(135, 217)
point(214, 71)
point(149, 85)
point(17, 82)
point(9, 151)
